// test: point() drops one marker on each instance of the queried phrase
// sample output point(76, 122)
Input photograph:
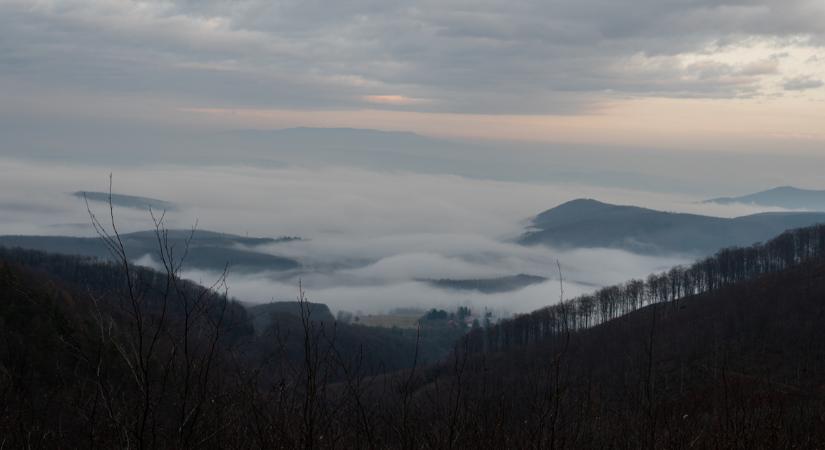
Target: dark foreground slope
point(590, 223)
point(88, 359)
point(91, 359)
point(742, 367)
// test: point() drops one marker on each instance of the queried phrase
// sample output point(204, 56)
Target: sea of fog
point(369, 237)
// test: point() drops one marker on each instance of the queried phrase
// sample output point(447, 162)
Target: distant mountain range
point(350, 147)
point(593, 224)
point(411, 152)
point(787, 197)
point(488, 285)
point(208, 250)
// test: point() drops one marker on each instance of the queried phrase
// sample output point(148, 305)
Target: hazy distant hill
point(208, 249)
point(342, 146)
point(782, 197)
point(590, 223)
point(489, 285)
point(127, 201)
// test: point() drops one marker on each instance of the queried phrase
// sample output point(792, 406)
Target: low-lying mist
point(370, 238)
point(395, 281)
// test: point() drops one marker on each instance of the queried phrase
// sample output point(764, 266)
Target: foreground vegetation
point(728, 353)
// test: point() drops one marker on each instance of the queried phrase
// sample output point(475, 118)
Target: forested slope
point(728, 266)
point(95, 353)
point(739, 367)
point(593, 224)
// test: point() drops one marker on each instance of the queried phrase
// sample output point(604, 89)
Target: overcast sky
point(742, 75)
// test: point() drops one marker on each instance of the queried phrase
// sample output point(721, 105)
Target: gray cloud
point(493, 56)
point(802, 84)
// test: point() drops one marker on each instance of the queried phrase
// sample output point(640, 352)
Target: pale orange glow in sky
point(393, 100)
point(660, 123)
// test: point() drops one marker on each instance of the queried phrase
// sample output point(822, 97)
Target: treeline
point(254, 331)
point(93, 364)
point(151, 290)
point(104, 355)
point(107, 354)
point(727, 267)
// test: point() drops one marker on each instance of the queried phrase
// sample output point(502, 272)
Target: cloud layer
point(370, 234)
point(494, 56)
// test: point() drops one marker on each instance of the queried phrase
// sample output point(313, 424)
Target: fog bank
point(369, 236)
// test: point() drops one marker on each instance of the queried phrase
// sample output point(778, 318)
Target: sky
point(687, 75)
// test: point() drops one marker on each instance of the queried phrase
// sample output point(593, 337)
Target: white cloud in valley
point(371, 236)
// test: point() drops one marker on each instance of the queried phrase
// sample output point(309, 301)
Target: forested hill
point(91, 352)
point(738, 367)
point(206, 249)
point(90, 281)
point(278, 325)
point(727, 267)
point(590, 223)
